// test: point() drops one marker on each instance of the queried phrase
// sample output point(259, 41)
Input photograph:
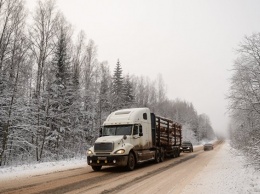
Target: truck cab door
point(136, 135)
point(138, 140)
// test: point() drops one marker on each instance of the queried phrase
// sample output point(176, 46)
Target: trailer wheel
point(173, 155)
point(178, 153)
point(131, 162)
point(157, 156)
point(96, 168)
point(162, 155)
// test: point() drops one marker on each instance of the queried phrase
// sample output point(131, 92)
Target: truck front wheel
point(96, 168)
point(131, 162)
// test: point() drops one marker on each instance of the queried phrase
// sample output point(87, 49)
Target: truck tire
point(96, 168)
point(175, 153)
point(157, 156)
point(131, 162)
point(162, 155)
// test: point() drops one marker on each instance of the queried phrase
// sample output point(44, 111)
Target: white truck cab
point(126, 139)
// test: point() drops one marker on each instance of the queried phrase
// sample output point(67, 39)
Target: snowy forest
point(244, 99)
point(55, 93)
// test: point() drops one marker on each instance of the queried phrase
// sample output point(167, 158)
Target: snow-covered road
point(219, 171)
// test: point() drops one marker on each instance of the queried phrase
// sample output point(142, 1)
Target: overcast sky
point(191, 43)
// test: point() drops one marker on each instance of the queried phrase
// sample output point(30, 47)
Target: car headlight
point(89, 152)
point(121, 151)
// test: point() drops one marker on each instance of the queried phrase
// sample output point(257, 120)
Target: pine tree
point(117, 87)
point(59, 95)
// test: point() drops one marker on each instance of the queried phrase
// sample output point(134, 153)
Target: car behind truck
point(133, 136)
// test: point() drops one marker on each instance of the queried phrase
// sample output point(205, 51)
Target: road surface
point(170, 176)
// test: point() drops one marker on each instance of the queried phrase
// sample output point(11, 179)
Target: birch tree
point(41, 34)
point(90, 79)
point(128, 96)
point(105, 99)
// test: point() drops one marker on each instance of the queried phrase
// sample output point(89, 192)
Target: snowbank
point(30, 170)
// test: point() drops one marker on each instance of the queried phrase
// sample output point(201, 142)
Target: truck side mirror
point(141, 131)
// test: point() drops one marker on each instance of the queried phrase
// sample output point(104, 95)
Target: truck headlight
point(89, 152)
point(121, 151)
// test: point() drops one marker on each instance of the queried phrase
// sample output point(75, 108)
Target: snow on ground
point(25, 171)
point(226, 173)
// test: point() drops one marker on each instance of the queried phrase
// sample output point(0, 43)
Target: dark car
point(186, 146)
point(208, 146)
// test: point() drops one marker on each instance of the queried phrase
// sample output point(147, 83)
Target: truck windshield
point(117, 130)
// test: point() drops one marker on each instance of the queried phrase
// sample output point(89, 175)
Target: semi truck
point(130, 137)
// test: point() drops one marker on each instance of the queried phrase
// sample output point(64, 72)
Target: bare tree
point(78, 59)
point(41, 34)
point(244, 97)
point(13, 49)
point(161, 89)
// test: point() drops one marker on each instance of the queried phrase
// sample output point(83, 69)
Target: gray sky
point(191, 43)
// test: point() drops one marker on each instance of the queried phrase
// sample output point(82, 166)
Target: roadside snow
point(226, 173)
point(25, 171)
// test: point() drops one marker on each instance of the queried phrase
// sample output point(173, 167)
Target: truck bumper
point(107, 160)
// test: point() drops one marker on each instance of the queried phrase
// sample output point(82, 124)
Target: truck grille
point(103, 147)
